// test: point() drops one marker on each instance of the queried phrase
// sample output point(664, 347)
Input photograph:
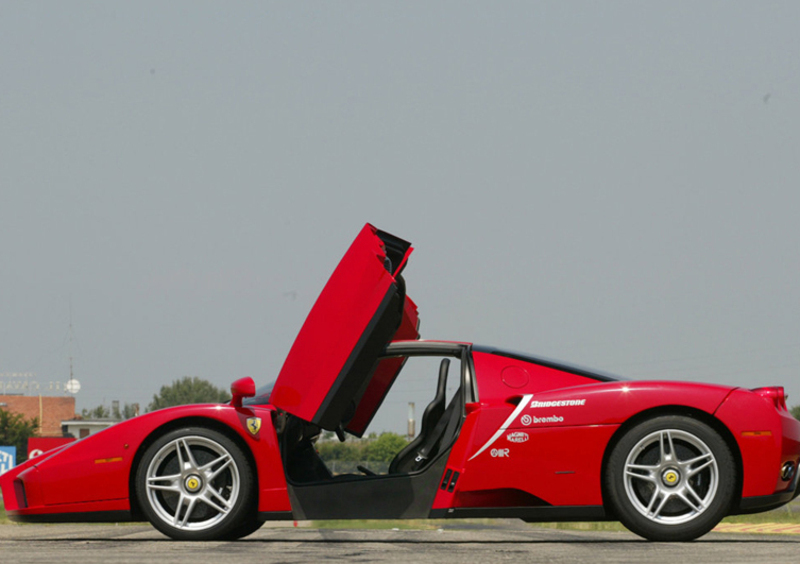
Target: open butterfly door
point(327, 376)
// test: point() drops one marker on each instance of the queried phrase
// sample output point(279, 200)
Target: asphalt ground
point(509, 541)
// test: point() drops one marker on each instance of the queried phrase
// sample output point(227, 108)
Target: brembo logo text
point(533, 420)
point(551, 419)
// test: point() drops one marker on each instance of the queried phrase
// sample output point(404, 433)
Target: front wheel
point(247, 528)
point(671, 478)
point(195, 483)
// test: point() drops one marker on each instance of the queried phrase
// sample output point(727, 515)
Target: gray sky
point(614, 184)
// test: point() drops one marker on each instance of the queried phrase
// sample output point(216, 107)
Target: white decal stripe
point(522, 405)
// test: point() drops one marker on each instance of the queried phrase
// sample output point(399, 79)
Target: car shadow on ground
point(272, 541)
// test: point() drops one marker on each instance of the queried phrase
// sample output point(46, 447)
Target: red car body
point(523, 436)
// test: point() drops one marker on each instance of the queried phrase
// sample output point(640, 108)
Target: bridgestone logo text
point(559, 403)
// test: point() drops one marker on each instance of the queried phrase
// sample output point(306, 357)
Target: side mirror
point(242, 388)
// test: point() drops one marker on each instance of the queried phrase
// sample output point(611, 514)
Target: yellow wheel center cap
point(670, 477)
point(193, 483)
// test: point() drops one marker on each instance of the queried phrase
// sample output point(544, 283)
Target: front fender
point(93, 474)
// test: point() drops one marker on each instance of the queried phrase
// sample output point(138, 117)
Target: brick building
point(50, 411)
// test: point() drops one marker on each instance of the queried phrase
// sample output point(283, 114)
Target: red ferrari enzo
point(517, 436)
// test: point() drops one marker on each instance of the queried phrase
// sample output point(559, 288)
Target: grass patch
point(788, 514)
point(421, 524)
point(403, 524)
point(583, 526)
point(4, 520)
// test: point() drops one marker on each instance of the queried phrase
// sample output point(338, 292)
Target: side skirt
point(87, 517)
point(527, 514)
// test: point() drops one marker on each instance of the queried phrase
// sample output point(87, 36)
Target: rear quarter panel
point(767, 437)
point(553, 446)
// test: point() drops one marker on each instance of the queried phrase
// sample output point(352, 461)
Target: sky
point(614, 184)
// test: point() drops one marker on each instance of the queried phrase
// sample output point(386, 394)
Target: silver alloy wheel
point(671, 476)
point(192, 483)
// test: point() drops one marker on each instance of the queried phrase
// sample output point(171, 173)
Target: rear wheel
point(195, 483)
point(671, 478)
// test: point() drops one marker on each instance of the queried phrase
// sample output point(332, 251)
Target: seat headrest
point(441, 388)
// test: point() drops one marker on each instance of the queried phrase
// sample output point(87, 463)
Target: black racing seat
point(442, 435)
point(406, 460)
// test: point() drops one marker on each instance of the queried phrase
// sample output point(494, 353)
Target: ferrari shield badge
point(253, 425)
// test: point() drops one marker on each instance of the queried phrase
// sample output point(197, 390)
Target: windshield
point(262, 395)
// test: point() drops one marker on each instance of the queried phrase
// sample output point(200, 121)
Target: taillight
point(775, 394)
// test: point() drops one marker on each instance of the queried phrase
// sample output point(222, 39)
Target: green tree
point(129, 410)
point(373, 448)
point(99, 412)
point(15, 431)
point(188, 390)
point(384, 447)
point(350, 451)
point(103, 412)
point(796, 411)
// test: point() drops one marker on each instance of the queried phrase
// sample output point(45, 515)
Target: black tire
point(195, 483)
point(670, 478)
point(250, 526)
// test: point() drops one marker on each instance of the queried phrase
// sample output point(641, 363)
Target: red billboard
point(40, 445)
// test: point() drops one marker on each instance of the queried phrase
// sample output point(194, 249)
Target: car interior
point(438, 428)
